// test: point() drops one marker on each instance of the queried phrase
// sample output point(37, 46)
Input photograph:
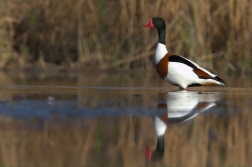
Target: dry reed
point(104, 33)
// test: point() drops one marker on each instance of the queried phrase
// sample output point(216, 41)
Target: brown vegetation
point(104, 33)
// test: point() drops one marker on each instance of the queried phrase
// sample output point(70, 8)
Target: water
point(122, 119)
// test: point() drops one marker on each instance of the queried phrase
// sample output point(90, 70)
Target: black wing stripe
point(201, 74)
point(179, 59)
point(194, 84)
point(220, 80)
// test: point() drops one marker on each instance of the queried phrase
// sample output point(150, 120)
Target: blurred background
point(56, 110)
point(104, 34)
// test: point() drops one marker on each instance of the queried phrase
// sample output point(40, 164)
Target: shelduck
point(181, 106)
point(177, 70)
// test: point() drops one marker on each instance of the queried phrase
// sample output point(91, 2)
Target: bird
point(180, 106)
point(175, 69)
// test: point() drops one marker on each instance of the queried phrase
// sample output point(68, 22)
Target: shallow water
point(122, 119)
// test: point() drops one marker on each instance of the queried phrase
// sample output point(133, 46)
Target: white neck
point(161, 51)
point(160, 126)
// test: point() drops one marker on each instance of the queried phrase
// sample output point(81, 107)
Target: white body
point(179, 73)
point(182, 103)
point(185, 105)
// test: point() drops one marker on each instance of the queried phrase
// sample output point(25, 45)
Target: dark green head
point(159, 24)
point(156, 22)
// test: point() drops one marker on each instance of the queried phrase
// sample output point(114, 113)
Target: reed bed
point(108, 34)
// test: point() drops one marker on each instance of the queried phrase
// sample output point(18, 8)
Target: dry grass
point(104, 33)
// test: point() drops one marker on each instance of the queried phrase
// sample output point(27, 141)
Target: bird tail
point(220, 80)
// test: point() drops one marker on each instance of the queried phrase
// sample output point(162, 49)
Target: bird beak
point(150, 25)
point(148, 154)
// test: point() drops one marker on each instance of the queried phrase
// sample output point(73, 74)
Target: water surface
point(122, 119)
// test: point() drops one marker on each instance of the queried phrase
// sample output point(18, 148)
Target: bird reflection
point(181, 106)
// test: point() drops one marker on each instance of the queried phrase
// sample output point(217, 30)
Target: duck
point(178, 70)
point(180, 106)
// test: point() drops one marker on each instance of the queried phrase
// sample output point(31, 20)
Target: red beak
point(148, 154)
point(150, 25)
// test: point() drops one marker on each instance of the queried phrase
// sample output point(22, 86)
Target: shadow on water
point(108, 121)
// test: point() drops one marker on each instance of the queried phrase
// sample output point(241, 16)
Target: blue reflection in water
point(180, 106)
